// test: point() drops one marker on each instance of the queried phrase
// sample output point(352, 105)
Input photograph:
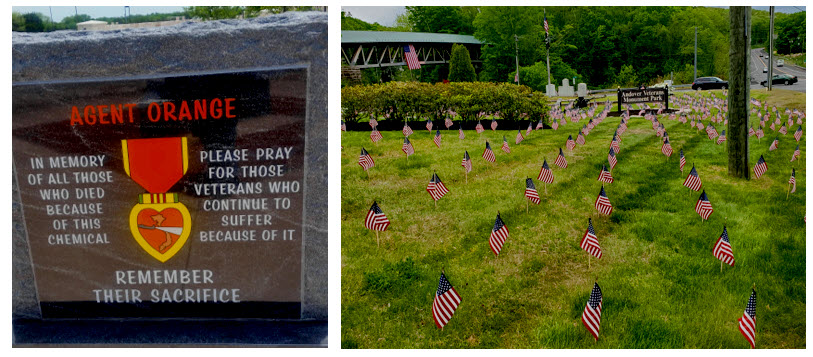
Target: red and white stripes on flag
point(365, 160)
point(375, 135)
point(407, 130)
point(407, 147)
point(751, 131)
point(493, 124)
point(445, 303)
point(603, 204)
point(530, 191)
point(611, 159)
point(437, 138)
point(760, 167)
point(580, 138)
point(519, 137)
point(722, 249)
point(703, 206)
point(466, 163)
point(479, 127)
point(460, 134)
point(682, 161)
point(605, 175)
point(545, 174)
point(376, 219)
point(721, 138)
point(693, 180)
point(798, 134)
point(792, 181)
point(748, 321)
point(436, 188)
point(505, 147)
point(429, 125)
point(560, 160)
point(448, 122)
point(591, 317)
point(498, 235)
point(795, 154)
point(411, 57)
point(570, 144)
point(666, 149)
point(590, 241)
point(488, 154)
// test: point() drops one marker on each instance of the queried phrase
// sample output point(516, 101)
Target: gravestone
point(582, 92)
point(566, 90)
point(171, 187)
point(550, 90)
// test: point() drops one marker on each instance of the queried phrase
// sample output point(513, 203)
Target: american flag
point(560, 160)
point(479, 127)
point(446, 302)
point(798, 134)
point(773, 126)
point(611, 159)
point(429, 125)
point(488, 154)
point(545, 23)
point(407, 130)
point(748, 321)
point(545, 174)
point(505, 145)
point(590, 241)
point(519, 137)
point(570, 144)
point(712, 131)
point(344, 126)
point(530, 191)
point(466, 163)
point(376, 219)
point(498, 235)
point(516, 77)
point(448, 122)
point(783, 130)
point(591, 318)
point(722, 138)
point(436, 188)
point(792, 181)
point(375, 135)
point(666, 149)
point(437, 138)
point(760, 133)
point(373, 122)
point(760, 167)
point(700, 126)
point(693, 180)
point(493, 124)
point(703, 206)
point(603, 204)
point(528, 131)
point(605, 175)
point(411, 57)
point(722, 249)
point(614, 144)
point(539, 125)
point(555, 124)
point(580, 138)
point(795, 154)
point(460, 134)
point(682, 161)
point(365, 160)
point(407, 147)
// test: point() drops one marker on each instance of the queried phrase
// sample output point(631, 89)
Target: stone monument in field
point(170, 183)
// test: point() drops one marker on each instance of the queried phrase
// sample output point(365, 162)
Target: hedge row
point(466, 101)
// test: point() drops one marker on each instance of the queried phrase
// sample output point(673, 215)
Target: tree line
point(603, 46)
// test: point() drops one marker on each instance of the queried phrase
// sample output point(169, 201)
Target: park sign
point(647, 95)
point(158, 187)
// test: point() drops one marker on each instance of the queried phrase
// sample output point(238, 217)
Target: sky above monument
point(386, 15)
point(61, 12)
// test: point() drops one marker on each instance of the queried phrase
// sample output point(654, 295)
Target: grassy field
point(662, 287)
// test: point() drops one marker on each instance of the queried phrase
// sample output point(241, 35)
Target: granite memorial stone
point(566, 90)
point(582, 91)
point(177, 174)
point(550, 90)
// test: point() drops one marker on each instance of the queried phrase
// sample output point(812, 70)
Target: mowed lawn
point(662, 286)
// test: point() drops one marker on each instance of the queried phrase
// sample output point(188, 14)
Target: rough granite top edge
point(286, 19)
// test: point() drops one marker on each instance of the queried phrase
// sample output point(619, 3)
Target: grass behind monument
point(662, 286)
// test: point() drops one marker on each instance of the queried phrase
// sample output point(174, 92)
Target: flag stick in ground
point(377, 242)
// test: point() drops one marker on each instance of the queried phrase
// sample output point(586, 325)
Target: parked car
point(709, 83)
point(780, 63)
point(781, 79)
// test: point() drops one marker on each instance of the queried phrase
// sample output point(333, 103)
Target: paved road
point(758, 64)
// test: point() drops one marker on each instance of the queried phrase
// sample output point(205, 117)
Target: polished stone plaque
point(165, 196)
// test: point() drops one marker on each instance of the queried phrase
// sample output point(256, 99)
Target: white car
point(780, 63)
point(764, 69)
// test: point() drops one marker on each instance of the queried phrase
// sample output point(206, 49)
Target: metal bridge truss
point(366, 55)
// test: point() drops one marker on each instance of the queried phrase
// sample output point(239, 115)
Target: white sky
point(61, 12)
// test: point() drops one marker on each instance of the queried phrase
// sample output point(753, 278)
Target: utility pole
point(76, 11)
point(739, 93)
point(695, 54)
point(770, 53)
point(516, 47)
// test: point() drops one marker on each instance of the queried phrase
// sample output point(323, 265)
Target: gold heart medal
point(159, 223)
